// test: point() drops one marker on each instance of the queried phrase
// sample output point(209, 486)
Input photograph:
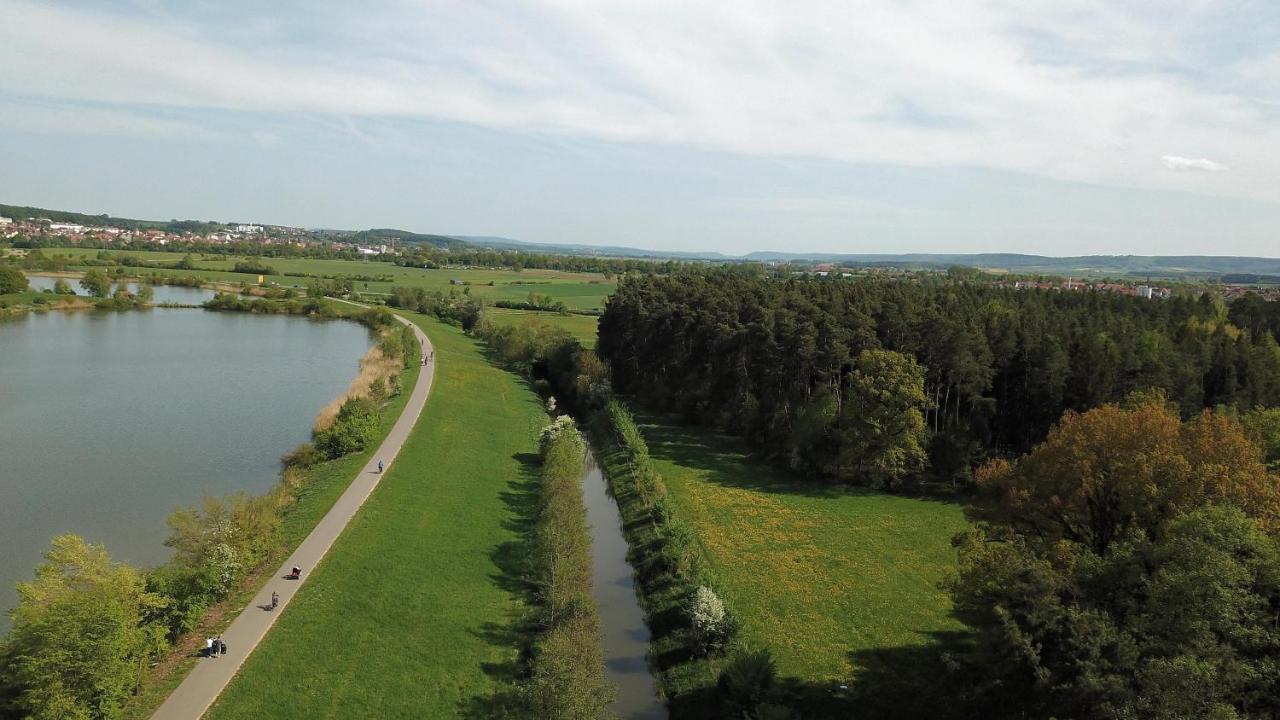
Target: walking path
point(207, 679)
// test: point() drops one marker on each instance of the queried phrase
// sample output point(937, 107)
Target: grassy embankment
point(413, 613)
point(580, 291)
point(324, 484)
point(829, 579)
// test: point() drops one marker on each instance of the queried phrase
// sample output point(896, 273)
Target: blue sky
point(1050, 126)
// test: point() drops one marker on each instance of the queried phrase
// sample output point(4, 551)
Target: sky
point(1057, 127)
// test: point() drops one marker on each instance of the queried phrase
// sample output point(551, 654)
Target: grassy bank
point(413, 613)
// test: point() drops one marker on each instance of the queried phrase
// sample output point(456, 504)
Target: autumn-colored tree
point(1138, 466)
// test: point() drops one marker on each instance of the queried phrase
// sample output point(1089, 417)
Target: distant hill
point(1132, 266)
point(502, 243)
point(22, 212)
point(379, 236)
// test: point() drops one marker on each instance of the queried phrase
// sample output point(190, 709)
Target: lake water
point(163, 293)
point(108, 420)
point(625, 637)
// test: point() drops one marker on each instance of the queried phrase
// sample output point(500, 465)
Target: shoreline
point(183, 657)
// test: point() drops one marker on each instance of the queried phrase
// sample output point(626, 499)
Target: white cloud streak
point(923, 83)
point(1177, 162)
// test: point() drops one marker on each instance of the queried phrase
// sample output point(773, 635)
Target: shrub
point(303, 456)
point(12, 281)
point(748, 681)
point(352, 431)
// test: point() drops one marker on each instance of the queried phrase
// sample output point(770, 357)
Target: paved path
point(208, 678)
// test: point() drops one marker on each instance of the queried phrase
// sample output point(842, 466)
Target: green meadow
point(581, 327)
point(412, 613)
point(820, 575)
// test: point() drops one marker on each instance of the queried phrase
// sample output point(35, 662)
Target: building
point(5, 220)
point(66, 228)
point(249, 228)
point(1144, 291)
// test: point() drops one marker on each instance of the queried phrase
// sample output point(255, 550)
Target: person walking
point(379, 466)
point(208, 647)
point(222, 646)
point(275, 599)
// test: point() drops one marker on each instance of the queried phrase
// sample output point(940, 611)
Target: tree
point(78, 635)
point(12, 280)
point(96, 284)
point(1263, 427)
point(62, 287)
point(880, 428)
point(1116, 468)
point(1184, 625)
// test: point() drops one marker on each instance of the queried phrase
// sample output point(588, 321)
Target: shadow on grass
point(728, 461)
point(914, 681)
point(511, 560)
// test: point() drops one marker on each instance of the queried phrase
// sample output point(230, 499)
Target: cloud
point(1177, 162)
point(1081, 90)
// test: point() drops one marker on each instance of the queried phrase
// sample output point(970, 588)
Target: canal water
point(108, 420)
point(625, 636)
point(163, 293)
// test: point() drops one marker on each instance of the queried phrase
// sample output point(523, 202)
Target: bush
point(747, 682)
point(353, 430)
point(253, 267)
point(12, 281)
point(303, 456)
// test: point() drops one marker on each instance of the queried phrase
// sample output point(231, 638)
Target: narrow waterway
point(625, 636)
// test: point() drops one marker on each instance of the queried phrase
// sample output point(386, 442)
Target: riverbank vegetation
point(564, 673)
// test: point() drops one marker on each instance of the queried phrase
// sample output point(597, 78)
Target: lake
point(163, 293)
point(108, 420)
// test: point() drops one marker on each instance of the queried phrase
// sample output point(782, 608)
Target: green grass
point(817, 574)
point(580, 291)
point(582, 327)
point(412, 614)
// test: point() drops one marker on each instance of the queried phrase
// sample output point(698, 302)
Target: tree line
point(881, 381)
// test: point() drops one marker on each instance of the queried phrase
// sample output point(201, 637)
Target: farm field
point(580, 291)
point(412, 612)
point(582, 327)
point(818, 574)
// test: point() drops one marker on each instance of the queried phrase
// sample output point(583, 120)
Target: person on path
point(208, 647)
point(379, 466)
point(217, 642)
point(222, 646)
point(297, 572)
point(275, 599)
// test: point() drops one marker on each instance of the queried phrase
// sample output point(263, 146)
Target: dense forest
point(819, 373)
